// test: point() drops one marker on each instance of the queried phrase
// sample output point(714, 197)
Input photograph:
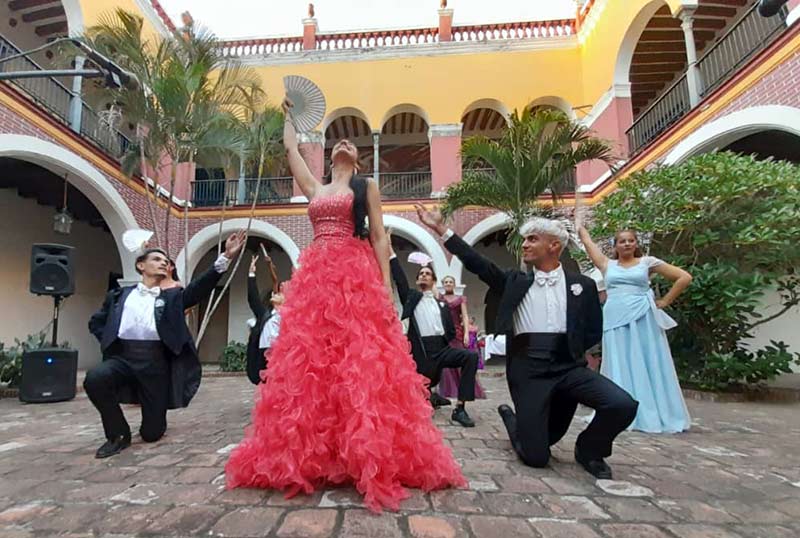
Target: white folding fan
point(308, 101)
point(135, 240)
point(419, 258)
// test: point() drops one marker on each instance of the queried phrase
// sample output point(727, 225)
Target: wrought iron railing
point(666, 110)
point(212, 192)
point(53, 96)
point(405, 185)
point(745, 38)
point(749, 35)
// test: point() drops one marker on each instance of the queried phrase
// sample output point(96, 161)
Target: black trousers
point(446, 356)
point(545, 404)
point(138, 365)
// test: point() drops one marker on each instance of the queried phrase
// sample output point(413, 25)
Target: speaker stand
point(56, 304)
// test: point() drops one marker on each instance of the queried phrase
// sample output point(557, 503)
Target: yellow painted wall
point(93, 11)
point(444, 85)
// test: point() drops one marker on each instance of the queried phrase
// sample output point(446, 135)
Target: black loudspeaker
point(52, 270)
point(48, 375)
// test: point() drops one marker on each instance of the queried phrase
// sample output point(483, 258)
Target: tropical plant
point(190, 94)
point(734, 223)
point(537, 154)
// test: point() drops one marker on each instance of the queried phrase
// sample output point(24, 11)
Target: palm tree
point(190, 91)
point(537, 154)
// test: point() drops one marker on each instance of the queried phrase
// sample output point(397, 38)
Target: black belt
point(432, 344)
point(547, 346)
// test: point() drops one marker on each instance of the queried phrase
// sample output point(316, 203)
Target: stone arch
point(341, 112)
point(417, 234)
point(556, 102)
point(491, 224)
point(406, 107)
point(72, 8)
point(627, 47)
point(86, 178)
point(492, 104)
point(202, 241)
point(727, 129)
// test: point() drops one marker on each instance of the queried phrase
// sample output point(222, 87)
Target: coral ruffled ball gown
point(342, 402)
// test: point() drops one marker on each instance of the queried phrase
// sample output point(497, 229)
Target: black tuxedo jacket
point(255, 360)
point(185, 371)
point(410, 298)
point(584, 315)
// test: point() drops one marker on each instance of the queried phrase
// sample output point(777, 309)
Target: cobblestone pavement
point(736, 474)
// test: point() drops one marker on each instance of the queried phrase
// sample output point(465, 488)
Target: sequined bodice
point(332, 216)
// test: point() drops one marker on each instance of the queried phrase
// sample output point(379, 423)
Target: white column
point(76, 103)
point(692, 72)
point(376, 155)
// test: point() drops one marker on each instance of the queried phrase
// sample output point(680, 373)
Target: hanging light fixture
point(62, 221)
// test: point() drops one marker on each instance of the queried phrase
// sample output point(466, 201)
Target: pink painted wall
point(183, 178)
point(611, 126)
point(445, 161)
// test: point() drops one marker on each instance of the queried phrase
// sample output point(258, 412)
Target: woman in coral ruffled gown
point(341, 401)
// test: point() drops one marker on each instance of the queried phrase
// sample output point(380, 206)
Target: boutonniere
point(159, 302)
point(576, 289)
point(441, 303)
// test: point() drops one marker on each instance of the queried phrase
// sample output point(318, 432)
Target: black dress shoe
point(460, 415)
point(438, 400)
point(596, 467)
point(114, 446)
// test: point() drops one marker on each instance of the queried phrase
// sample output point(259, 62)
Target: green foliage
point(734, 223)
point(11, 357)
point(233, 357)
point(537, 154)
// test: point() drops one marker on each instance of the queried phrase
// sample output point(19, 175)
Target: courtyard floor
point(735, 474)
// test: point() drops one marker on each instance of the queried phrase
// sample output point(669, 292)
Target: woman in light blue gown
point(636, 354)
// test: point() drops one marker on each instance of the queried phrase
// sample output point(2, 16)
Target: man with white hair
point(550, 318)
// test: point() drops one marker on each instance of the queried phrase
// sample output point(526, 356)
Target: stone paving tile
point(308, 524)
point(495, 527)
point(735, 475)
point(363, 524)
point(247, 522)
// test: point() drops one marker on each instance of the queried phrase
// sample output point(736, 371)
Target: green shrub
point(233, 357)
point(734, 223)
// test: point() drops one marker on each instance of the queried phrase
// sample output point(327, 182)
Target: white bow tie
point(144, 290)
point(428, 294)
point(547, 279)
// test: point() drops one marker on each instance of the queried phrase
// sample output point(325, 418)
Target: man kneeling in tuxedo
point(550, 318)
point(430, 330)
point(149, 356)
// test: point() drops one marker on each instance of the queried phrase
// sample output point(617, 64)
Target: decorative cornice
point(299, 56)
point(157, 16)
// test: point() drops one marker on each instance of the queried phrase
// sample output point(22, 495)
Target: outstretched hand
point(234, 244)
point(432, 218)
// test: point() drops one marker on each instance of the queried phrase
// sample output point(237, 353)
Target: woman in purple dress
point(448, 386)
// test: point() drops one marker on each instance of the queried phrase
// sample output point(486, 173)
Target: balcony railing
point(212, 192)
point(405, 185)
point(669, 108)
point(749, 35)
point(56, 98)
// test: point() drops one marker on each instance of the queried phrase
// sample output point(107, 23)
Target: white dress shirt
point(544, 307)
point(429, 316)
point(138, 320)
point(270, 331)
